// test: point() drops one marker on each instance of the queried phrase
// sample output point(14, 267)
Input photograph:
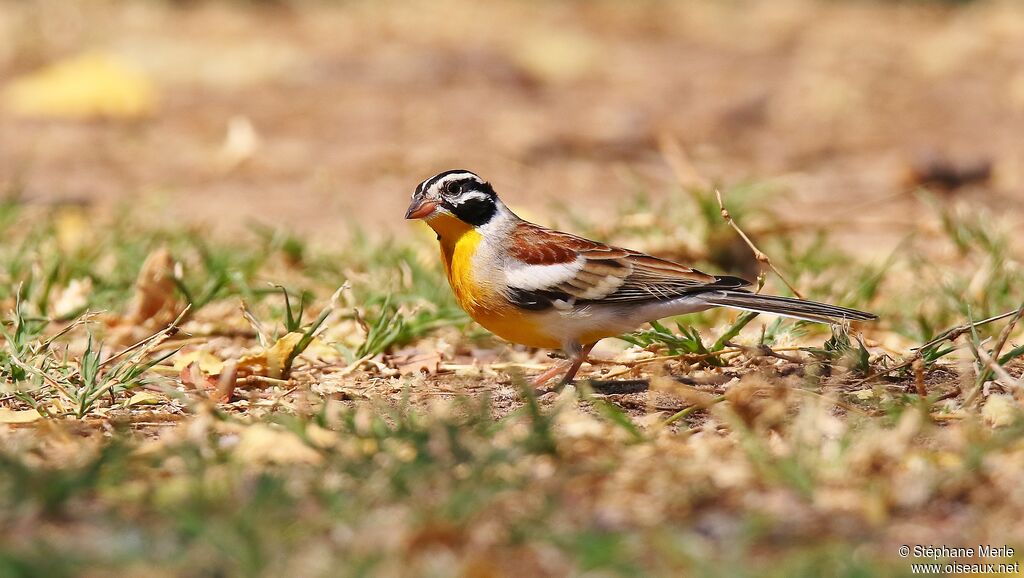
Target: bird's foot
point(539, 381)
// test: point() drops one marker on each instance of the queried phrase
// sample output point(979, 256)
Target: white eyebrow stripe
point(441, 182)
point(534, 277)
point(469, 196)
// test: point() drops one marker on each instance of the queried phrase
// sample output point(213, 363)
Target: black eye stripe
point(473, 210)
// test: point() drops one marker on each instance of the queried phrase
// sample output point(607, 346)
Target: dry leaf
point(207, 362)
point(18, 416)
point(143, 398)
point(274, 359)
point(155, 290)
point(192, 376)
point(91, 85)
point(277, 356)
point(318, 350)
point(226, 383)
point(73, 298)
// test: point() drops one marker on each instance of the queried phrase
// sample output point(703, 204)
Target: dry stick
point(955, 332)
point(261, 334)
point(153, 340)
point(918, 364)
point(82, 320)
point(494, 366)
point(1004, 377)
point(1005, 333)
point(758, 254)
point(951, 335)
point(976, 351)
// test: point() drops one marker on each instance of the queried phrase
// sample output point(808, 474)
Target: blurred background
point(315, 114)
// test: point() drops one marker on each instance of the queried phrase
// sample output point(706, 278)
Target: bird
point(543, 288)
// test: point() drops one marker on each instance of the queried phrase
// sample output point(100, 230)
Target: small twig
point(82, 320)
point(1003, 336)
point(354, 365)
point(261, 334)
point(759, 255)
point(951, 334)
point(954, 332)
point(263, 380)
point(494, 366)
point(1003, 376)
point(922, 391)
point(152, 340)
point(976, 351)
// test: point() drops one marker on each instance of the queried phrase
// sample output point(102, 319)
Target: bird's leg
point(555, 369)
point(578, 356)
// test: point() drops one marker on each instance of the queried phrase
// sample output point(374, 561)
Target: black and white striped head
point(459, 193)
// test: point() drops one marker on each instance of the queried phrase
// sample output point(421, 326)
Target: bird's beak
point(420, 208)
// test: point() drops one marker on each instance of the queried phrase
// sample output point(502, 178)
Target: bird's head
point(457, 194)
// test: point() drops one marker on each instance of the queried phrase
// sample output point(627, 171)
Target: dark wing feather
point(604, 273)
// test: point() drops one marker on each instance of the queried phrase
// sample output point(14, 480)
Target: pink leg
point(548, 374)
point(577, 363)
point(576, 360)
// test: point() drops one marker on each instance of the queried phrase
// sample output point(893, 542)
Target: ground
point(224, 352)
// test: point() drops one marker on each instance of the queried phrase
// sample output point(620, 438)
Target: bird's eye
point(452, 188)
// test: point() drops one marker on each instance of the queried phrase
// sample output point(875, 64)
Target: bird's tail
point(786, 306)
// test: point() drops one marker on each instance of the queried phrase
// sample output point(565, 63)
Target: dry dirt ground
point(353, 103)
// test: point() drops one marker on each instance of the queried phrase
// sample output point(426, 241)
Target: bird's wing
point(549, 267)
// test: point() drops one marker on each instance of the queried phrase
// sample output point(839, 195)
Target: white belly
point(589, 323)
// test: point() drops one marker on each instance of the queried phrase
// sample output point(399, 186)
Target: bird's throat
point(450, 232)
point(458, 242)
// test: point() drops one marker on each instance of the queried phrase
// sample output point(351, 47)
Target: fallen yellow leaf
point(18, 416)
point(143, 398)
point(318, 350)
point(90, 85)
point(275, 358)
point(206, 361)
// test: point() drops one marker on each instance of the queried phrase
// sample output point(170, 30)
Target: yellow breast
point(459, 244)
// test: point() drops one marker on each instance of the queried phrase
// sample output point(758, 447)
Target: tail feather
point(786, 306)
